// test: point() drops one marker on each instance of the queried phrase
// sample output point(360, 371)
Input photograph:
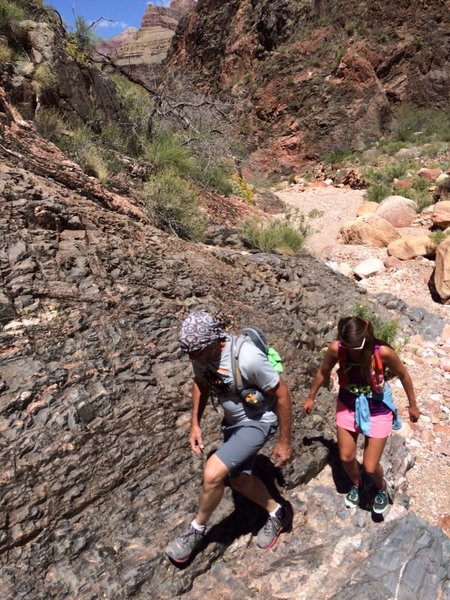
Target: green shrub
point(172, 204)
point(214, 174)
point(43, 79)
point(438, 236)
point(49, 123)
point(419, 193)
point(383, 330)
point(136, 103)
point(276, 236)
point(377, 192)
point(416, 124)
point(243, 189)
point(85, 148)
point(5, 54)
point(166, 152)
point(10, 14)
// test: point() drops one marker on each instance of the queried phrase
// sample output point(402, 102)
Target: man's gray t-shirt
point(255, 370)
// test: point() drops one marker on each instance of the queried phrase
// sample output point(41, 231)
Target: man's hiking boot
point(268, 534)
point(352, 498)
point(381, 500)
point(181, 548)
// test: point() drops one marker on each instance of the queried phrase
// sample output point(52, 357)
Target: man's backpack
point(252, 396)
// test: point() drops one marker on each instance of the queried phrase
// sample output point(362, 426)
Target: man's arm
point(200, 394)
point(283, 448)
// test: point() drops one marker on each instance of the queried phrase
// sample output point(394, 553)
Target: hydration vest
point(377, 380)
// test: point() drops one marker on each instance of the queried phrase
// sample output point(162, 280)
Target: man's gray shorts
point(242, 443)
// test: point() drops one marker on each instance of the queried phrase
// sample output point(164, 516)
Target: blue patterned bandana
point(198, 331)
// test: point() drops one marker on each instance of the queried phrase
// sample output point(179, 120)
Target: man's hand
point(195, 439)
point(281, 454)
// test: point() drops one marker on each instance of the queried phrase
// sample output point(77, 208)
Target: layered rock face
point(310, 78)
point(149, 44)
point(96, 472)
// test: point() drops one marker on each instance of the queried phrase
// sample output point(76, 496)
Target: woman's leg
point(373, 450)
point(347, 453)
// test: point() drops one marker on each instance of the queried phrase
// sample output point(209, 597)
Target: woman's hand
point(414, 414)
point(307, 407)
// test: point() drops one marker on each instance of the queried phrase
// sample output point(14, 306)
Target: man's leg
point(181, 548)
point(214, 476)
point(254, 489)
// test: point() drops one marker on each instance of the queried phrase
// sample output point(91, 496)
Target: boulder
point(369, 267)
point(367, 208)
point(391, 262)
point(442, 271)
point(409, 247)
point(441, 214)
point(371, 230)
point(398, 210)
point(429, 174)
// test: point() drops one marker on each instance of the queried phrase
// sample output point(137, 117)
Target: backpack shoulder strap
point(377, 362)
point(236, 344)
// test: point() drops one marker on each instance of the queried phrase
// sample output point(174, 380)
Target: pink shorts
point(380, 425)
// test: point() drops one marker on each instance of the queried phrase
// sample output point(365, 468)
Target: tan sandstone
point(411, 246)
point(370, 230)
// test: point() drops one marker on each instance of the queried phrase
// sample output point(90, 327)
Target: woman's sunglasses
point(353, 347)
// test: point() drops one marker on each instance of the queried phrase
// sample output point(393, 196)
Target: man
point(245, 429)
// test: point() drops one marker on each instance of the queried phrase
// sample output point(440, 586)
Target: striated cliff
point(309, 78)
point(148, 45)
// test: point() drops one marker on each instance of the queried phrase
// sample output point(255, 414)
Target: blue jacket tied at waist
point(362, 412)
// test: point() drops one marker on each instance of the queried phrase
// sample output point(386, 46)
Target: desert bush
point(136, 103)
point(243, 189)
point(5, 54)
point(10, 14)
point(50, 123)
point(377, 192)
point(418, 124)
point(278, 235)
point(214, 174)
point(172, 204)
point(419, 193)
point(166, 152)
point(386, 330)
point(43, 79)
point(439, 236)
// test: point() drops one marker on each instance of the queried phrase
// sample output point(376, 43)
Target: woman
point(364, 403)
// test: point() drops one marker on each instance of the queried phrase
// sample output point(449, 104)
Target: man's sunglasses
point(353, 347)
point(197, 353)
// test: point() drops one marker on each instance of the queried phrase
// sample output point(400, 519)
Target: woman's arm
point(322, 375)
point(391, 360)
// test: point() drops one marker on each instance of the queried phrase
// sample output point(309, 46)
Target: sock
point(198, 527)
point(273, 513)
point(382, 486)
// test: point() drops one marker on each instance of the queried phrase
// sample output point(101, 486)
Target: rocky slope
point(310, 78)
point(94, 407)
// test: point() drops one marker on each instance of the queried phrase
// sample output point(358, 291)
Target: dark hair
point(351, 332)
